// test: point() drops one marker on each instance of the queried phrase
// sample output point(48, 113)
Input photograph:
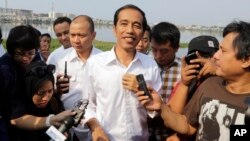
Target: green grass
point(102, 45)
point(54, 44)
point(183, 45)
point(4, 43)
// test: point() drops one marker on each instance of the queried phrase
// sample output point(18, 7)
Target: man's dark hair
point(148, 29)
point(241, 42)
point(60, 20)
point(46, 34)
point(131, 6)
point(90, 21)
point(165, 32)
point(24, 37)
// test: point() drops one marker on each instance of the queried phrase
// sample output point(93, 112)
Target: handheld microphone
point(74, 120)
point(192, 87)
point(67, 124)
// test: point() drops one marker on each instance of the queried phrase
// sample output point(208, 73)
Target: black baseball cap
point(205, 44)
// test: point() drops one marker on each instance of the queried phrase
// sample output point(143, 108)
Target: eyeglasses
point(41, 71)
point(25, 53)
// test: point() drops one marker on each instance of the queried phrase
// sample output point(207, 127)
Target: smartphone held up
point(143, 85)
point(190, 57)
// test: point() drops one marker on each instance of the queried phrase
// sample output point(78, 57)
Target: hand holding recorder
point(62, 81)
point(142, 85)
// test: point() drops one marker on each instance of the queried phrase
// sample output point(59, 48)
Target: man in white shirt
point(114, 112)
point(82, 35)
point(61, 29)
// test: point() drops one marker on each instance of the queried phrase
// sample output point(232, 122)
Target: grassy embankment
point(103, 45)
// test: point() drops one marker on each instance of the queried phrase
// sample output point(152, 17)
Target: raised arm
point(32, 122)
point(173, 120)
point(179, 98)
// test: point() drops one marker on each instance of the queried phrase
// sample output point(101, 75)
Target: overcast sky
point(180, 12)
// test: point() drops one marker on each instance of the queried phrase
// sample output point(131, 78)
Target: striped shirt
point(170, 76)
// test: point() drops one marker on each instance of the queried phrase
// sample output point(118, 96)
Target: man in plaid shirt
point(165, 38)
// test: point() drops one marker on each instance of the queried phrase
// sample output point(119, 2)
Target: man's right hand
point(98, 133)
point(129, 82)
point(153, 104)
point(188, 72)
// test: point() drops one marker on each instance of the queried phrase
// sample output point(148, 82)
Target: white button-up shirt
point(75, 69)
point(56, 55)
point(116, 108)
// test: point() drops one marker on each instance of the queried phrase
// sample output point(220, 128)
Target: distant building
point(54, 15)
point(15, 12)
point(27, 16)
point(17, 15)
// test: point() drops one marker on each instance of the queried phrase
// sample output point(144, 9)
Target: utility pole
point(6, 4)
point(51, 13)
point(52, 10)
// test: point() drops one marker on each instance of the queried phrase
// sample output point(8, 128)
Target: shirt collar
point(73, 54)
point(174, 63)
point(111, 58)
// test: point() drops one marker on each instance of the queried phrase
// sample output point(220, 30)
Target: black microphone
point(67, 124)
point(192, 87)
point(74, 120)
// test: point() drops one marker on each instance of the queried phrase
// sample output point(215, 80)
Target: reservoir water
point(104, 33)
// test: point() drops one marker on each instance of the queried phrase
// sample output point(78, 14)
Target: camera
point(75, 120)
point(143, 85)
point(57, 134)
